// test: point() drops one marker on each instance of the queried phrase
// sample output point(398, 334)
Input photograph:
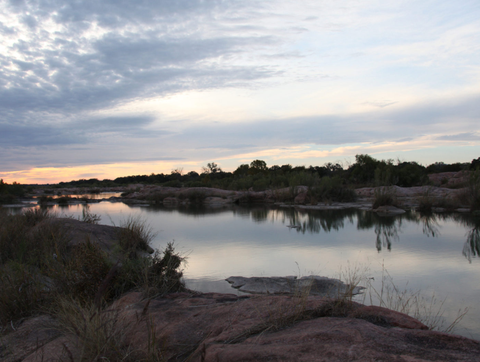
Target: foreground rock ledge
point(226, 327)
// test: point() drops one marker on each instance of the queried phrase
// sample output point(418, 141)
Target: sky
point(109, 88)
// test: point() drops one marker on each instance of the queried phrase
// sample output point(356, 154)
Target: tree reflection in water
point(430, 224)
point(387, 228)
point(315, 221)
point(471, 248)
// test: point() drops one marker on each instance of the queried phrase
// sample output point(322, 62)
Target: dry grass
point(101, 334)
point(135, 235)
point(427, 309)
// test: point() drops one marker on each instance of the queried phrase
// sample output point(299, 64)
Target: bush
point(9, 193)
point(332, 189)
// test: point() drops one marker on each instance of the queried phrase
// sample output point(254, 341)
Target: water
point(436, 255)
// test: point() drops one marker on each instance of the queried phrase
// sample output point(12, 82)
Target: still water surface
point(436, 255)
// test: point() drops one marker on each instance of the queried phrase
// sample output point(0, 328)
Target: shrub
point(196, 197)
point(63, 200)
point(332, 189)
point(44, 199)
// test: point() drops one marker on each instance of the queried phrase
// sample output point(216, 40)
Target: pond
point(431, 259)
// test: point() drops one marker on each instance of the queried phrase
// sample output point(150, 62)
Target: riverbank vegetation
point(43, 269)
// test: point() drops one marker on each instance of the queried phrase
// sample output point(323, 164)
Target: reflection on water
point(387, 229)
point(472, 245)
point(471, 248)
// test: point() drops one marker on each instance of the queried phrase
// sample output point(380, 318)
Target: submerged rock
point(311, 285)
point(389, 210)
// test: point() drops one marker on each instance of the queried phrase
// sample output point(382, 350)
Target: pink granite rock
point(226, 327)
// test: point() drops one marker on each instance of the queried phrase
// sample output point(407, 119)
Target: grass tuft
point(135, 235)
point(384, 196)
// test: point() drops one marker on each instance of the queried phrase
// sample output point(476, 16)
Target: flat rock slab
point(308, 285)
point(224, 327)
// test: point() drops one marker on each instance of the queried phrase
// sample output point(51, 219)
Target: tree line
point(258, 176)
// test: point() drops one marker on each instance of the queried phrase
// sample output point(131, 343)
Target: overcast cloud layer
point(183, 83)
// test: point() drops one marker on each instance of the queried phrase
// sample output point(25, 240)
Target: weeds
point(88, 217)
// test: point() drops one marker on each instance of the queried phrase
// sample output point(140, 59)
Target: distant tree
point(241, 170)
point(177, 171)
point(258, 166)
point(363, 170)
point(193, 174)
point(286, 168)
point(475, 164)
point(211, 168)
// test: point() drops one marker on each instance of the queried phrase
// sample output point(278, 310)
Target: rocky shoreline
point(146, 195)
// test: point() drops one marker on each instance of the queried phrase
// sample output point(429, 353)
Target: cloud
point(466, 136)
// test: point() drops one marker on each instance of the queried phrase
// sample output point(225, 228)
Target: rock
point(389, 210)
point(311, 285)
point(224, 327)
point(300, 198)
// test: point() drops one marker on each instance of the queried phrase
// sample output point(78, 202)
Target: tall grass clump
point(28, 246)
point(135, 235)
point(384, 196)
point(97, 333)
